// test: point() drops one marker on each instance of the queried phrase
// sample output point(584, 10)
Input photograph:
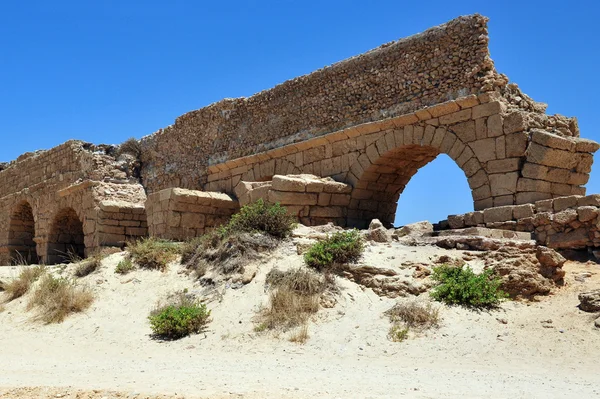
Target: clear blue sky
point(103, 71)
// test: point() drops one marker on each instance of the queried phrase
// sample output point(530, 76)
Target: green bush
point(339, 248)
point(461, 286)
point(153, 253)
point(262, 218)
point(179, 319)
point(124, 266)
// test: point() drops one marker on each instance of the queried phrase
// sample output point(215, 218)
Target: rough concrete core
point(369, 123)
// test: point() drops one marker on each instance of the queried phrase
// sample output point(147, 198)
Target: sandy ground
point(547, 348)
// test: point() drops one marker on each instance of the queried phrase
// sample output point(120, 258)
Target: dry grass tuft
point(411, 315)
point(89, 265)
point(301, 335)
point(293, 299)
point(153, 253)
point(56, 298)
point(21, 285)
point(130, 146)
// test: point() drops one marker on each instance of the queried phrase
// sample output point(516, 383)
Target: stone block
point(533, 185)
point(468, 101)
point(443, 109)
point(498, 214)
point(494, 107)
point(340, 199)
point(337, 187)
point(562, 203)
point(547, 156)
point(291, 198)
point(590, 200)
point(552, 140)
point(565, 217)
point(456, 221)
point(464, 131)
point(503, 183)
point(515, 122)
point(485, 150)
point(587, 213)
point(516, 144)
point(503, 165)
point(326, 212)
point(494, 125)
point(585, 145)
point(523, 211)
point(324, 199)
point(456, 117)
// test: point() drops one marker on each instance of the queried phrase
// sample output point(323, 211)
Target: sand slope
point(513, 352)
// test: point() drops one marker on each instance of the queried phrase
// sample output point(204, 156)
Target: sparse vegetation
point(153, 253)
point(461, 286)
point(21, 285)
point(411, 315)
point(130, 146)
point(124, 266)
point(57, 297)
point(256, 228)
point(294, 297)
point(179, 318)
point(339, 248)
point(261, 217)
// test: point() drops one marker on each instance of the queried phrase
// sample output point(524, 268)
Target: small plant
point(179, 318)
point(398, 333)
point(461, 286)
point(21, 285)
point(262, 218)
point(301, 335)
point(89, 265)
point(56, 298)
point(294, 297)
point(124, 266)
point(415, 314)
point(339, 248)
point(130, 146)
point(153, 253)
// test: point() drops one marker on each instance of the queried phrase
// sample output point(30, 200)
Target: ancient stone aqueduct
point(362, 128)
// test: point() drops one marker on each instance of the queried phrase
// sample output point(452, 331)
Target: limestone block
point(326, 211)
point(547, 156)
point(503, 183)
point(503, 165)
point(481, 128)
point(552, 140)
point(572, 240)
point(585, 145)
point(523, 211)
point(456, 117)
point(590, 200)
point(533, 185)
point(443, 109)
point(514, 122)
point(464, 131)
point(468, 101)
point(544, 206)
point(136, 231)
point(485, 149)
point(498, 214)
point(291, 198)
point(494, 125)
point(337, 187)
point(456, 221)
point(587, 213)
point(193, 220)
point(483, 204)
point(562, 203)
point(565, 217)
point(340, 199)
point(324, 199)
point(516, 144)
point(494, 107)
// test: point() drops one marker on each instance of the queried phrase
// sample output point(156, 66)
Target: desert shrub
point(263, 218)
point(21, 285)
point(293, 298)
point(461, 286)
point(415, 314)
point(398, 333)
point(58, 297)
point(190, 247)
point(130, 146)
point(339, 248)
point(153, 253)
point(124, 266)
point(179, 318)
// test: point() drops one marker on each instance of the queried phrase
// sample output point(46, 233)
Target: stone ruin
point(339, 144)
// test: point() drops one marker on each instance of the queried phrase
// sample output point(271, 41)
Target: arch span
point(21, 234)
point(381, 173)
point(66, 238)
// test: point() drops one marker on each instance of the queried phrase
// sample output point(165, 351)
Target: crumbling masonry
point(352, 135)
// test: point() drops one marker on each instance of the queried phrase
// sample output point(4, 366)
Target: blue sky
point(103, 71)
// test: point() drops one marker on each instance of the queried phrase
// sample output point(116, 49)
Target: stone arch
point(21, 235)
point(382, 171)
point(66, 237)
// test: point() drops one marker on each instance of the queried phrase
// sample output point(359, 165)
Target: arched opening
point(21, 232)
point(66, 238)
point(384, 172)
point(438, 190)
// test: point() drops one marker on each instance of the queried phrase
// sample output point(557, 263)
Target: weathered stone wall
point(313, 200)
point(50, 203)
point(564, 222)
point(179, 214)
point(444, 62)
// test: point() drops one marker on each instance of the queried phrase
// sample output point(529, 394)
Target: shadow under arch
point(21, 233)
point(66, 238)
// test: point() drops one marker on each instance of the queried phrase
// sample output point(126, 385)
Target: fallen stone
point(414, 229)
point(590, 301)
